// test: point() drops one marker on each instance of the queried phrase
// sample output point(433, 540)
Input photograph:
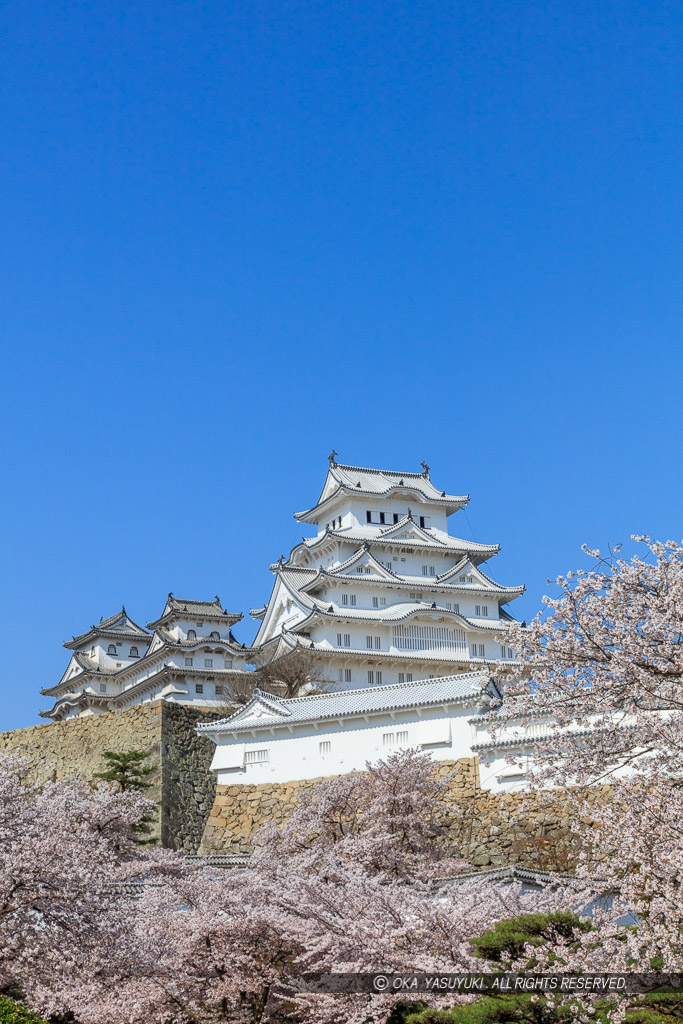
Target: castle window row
point(208, 663)
point(376, 518)
point(374, 676)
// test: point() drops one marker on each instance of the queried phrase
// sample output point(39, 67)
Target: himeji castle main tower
point(383, 592)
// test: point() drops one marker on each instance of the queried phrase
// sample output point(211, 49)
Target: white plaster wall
point(353, 742)
point(353, 512)
point(122, 656)
point(180, 628)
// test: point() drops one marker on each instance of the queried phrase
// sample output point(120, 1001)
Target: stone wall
point(188, 786)
point(239, 811)
point(181, 785)
point(495, 829)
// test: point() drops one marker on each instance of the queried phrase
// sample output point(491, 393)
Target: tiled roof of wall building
point(429, 692)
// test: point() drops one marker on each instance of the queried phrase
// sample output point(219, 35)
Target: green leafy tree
point(506, 1009)
point(655, 1008)
point(508, 939)
point(16, 1013)
point(128, 770)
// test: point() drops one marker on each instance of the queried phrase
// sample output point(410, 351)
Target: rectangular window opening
point(256, 756)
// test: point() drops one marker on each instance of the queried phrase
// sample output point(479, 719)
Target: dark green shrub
point(15, 1013)
point(510, 937)
point(497, 1010)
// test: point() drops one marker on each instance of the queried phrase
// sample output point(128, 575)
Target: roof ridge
point(380, 472)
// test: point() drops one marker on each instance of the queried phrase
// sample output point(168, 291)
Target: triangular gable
point(362, 557)
point(460, 568)
point(466, 568)
point(271, 622)
point(124, 623)
point(329, 487)
point(158, 642)
point(261, 709)
point(407, 528)
point(73, 670)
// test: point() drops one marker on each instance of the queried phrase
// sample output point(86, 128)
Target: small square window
point(103, 687)
point(208, 662)
point(325, 746)
point(199, 688)
point(188, 662)
point(347, 675)
point(219, 689)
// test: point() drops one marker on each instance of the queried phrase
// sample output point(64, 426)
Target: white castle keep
point(400, 617)
point(383, 591)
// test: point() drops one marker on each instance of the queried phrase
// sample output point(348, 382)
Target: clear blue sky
point(236, 235)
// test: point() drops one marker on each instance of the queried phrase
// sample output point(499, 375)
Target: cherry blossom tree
point(209, 945)
point(604, 666)
point(607, 656)
point(62, 846)
point(393, 820)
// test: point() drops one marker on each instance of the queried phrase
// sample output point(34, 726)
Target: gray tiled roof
point(378, 539)
point(119, 626)
point(380, 482)
point(178, 607)
point(445, 690)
